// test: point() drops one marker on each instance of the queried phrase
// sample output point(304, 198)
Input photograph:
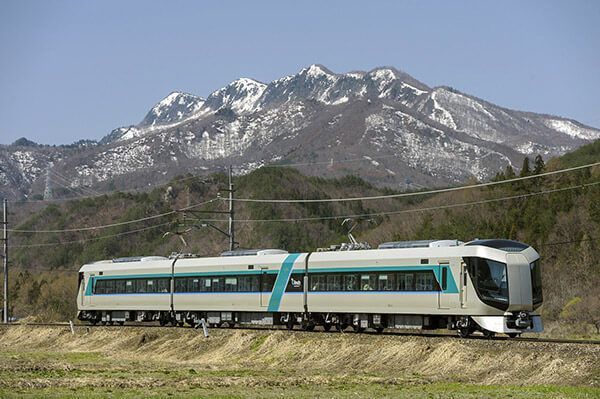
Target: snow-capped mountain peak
point(174, 107)
point(420, 134)
point(241, 96)
point(316, 71)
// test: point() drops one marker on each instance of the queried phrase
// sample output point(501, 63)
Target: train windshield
point(490, 281)
point(536, 282)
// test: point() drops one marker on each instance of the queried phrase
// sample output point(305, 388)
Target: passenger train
point(491, 286)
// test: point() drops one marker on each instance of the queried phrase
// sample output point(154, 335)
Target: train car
point(491, 286)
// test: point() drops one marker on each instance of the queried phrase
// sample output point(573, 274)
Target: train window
point(267, 283)
point(231, 284)
point(536, 282)
point(490, 281)
point(99, 287)
point(368, 282)
point(119, 287)
point(334, 282)
point(350, 282)
point(218, 284)
point(128, 286)
point(295, 284)
point(163, 285)
point(405, 282)
point(444, 278)
point(248, 283)
point(386, 282)
point(425, 281)
point(318, 282)
point(181, 284)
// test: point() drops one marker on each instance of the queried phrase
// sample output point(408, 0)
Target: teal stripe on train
point(281, 282)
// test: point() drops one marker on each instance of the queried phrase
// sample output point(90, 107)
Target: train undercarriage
point(357, 322)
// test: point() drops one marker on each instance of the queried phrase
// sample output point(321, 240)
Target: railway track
point(299, 331)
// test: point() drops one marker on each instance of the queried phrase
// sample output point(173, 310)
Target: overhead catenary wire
point(333, 217)
point(432, 208)
point(51, 244)
point(416, 193)
point(82, 189)
point(91, 228)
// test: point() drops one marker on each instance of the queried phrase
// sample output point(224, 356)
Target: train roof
point(495, 249)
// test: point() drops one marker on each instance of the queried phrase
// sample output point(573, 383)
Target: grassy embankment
point(110, 362)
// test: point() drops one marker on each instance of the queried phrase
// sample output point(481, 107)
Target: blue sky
point(78, 69)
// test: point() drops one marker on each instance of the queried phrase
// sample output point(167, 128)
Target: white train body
point(487, 285)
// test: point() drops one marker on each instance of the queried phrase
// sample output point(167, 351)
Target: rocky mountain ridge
point(383, 125)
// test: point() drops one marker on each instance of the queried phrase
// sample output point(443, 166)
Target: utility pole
point(231, 212)
point(5, 258)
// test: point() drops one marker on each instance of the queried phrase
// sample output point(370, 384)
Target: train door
point(443, 273)
point(85, 289)
point(463, 284)
point(264, 301)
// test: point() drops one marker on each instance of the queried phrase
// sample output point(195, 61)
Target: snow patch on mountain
point(382, 77)
point(572, 129)
point(116, 161)
point(440, 114)
point(27, 164)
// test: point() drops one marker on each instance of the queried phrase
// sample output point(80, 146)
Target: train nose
point(519, 283)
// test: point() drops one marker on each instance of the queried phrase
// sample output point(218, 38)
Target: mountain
point(382, 125)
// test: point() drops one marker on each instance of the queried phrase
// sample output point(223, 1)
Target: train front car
point(506, 278)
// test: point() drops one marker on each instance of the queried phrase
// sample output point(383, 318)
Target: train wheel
point(379, 330)
point(230, 324)
point(93, 322)
point(358, 329)
point(513, 335)
point(121, 323)
point(162, 322)
point(488, 334)
point(290, 324)
point(341, 327)
point(308, 326)
point(326, 327)
point(464, 332)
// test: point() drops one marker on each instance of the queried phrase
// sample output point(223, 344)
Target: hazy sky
point(78, 69)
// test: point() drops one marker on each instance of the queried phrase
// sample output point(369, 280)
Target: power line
point(84, 190)
point(416, 209)
point(418, 193)
point(91, 239)
point(346, 216)
point(114, 224)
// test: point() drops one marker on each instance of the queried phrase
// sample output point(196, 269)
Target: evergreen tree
point(509, 172)
point(525, 170)
point(538, 165)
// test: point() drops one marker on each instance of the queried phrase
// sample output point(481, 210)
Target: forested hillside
point(559, 215)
